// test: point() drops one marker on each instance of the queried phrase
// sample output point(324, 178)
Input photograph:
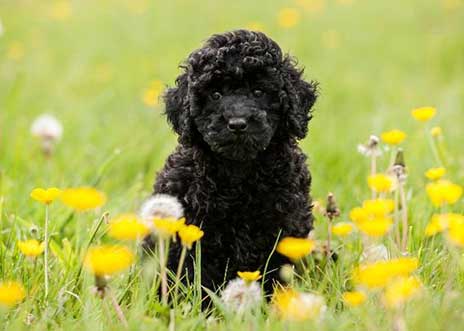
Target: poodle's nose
point(237, 124)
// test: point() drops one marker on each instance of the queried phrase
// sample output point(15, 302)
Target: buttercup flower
point(435, 173)
point(443, 192)
point(249, 276)
point(355, 298)
point(240, 296)
point(168, 227)
point(161, 206)
point(47, 127)
point(381, 273)
point(380, 183)
point(11, 293)
point(436, 131)
point(288, 17)
point(31, 248)
point(127, 227)
point(295, 306)
point(107, 260)
point(423, 114)
point(295, 248)
point(393, 137)
point(83, 198)
point(342, 229)
point(401, 290)
point(189, 234)
point(45, 196)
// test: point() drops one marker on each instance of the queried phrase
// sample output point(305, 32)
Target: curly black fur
point(239, 107)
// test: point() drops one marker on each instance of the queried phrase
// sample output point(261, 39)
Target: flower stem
point(46, 239)
point(404, 210)
point(179, 269)
point(117, 308)
point(164, 281)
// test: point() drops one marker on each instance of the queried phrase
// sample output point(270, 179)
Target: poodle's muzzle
point(238, 128)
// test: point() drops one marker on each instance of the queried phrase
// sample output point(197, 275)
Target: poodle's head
point(237, 93)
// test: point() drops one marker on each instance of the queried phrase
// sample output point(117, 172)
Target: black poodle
point(239, 108)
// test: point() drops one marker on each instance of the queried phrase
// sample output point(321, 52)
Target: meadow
point(99, 67)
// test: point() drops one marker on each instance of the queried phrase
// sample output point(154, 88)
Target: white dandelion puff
point(161, 206)
point(240, 297)
point(371, 148)
point(374, 253)
point(47, 127)
point(49, 130)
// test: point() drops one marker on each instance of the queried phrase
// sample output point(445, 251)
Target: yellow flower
point(423, 114)
point(295, 248)
point(152, 93)
point(249, 276)
point(342, 229)
point(45, 196)
point(288, 17)
point(11, 293)
point(127, 227)
point(106, 260)
point(168, 227)
point(355, 298)
point(295, 306)
point(436, 131)
point(401, 290)
point(456, 230)
point(441, 222)
point(189, 234)
point(375, 227)
point(61, 10)
point(435, 173)
point(378, 207)
point(31, 248)
point(83, 198)
point(380, 273)
point(359, 215)
point(443, 192)
point(380, 183)
point(393, 137)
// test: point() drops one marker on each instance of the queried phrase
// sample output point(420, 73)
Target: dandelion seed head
point(374, 253)
point(47, 127)
point(296, 306)
point(240, 296)
point(161, 206)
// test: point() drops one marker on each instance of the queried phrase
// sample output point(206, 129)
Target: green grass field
point(89, 64)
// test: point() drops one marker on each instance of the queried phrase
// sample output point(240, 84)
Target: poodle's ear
point(177, 105)
point(300, 97)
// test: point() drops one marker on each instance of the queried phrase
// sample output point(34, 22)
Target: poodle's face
point(238, 116)
point(237, 93)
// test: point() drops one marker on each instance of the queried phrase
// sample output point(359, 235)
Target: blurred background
point(100, 66)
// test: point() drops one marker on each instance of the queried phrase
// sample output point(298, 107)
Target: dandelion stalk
point(164, 280)
point(399, 170)
point(46, 250)
point(117, 308)
point(331, 212)
point(183, 254)
point(433, 147)
point(405, 226)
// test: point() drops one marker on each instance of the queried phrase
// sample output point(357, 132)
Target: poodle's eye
point(258, 93)
point(216, 95)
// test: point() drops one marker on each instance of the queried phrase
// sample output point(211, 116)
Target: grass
point(375, 61)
